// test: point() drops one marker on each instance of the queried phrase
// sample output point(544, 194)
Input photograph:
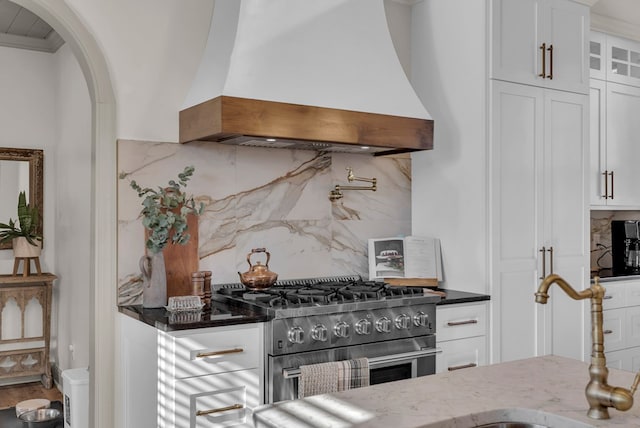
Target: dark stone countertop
point(222, 314)
point(454, 296)
point(218, 315)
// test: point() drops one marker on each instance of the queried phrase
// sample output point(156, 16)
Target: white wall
point(45, 105)
point(449, 183)
point(27, 120)
point(73, 207)
point(152, 48)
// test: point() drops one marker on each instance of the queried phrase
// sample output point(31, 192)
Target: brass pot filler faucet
point(336, 193)
point(600, 394)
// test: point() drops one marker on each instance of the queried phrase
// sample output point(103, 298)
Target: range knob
point(296, 335)
point(420, 319)
point(383, 325)
point(403, 321)
point(341, 329)
point(319, 333)
point(363, 327)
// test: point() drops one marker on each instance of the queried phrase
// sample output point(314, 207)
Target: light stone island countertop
point(544, 390)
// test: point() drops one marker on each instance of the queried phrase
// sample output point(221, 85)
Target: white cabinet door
point(623, 144)
point(516, 169)
point(515, 39)
point(566, 217)
point(541, 42)
point(623, 61)
point(599, 176)
point(539, 218)
point(598, 55)
point(566, 30)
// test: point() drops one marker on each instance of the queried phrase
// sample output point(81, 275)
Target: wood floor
point(11, 395)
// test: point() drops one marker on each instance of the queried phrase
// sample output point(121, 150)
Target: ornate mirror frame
point(35, 157)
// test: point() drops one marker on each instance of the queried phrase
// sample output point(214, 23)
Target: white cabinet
point(210, 377)
point(539, 218)
point(622, 148)
point(615, 107)
point(615, 151)
point(540, 42)
point(598, 55)
point(621, 324)
point(599, 174)
point(461, 334)
point(622, 60)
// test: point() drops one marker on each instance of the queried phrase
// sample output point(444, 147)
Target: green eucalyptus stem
point(165, 210)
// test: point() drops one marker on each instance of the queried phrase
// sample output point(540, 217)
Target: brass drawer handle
point(454, 323)
point(464, 366)
point(607, 332)
point(607, 297)
point(219, 410)
point(215, 353)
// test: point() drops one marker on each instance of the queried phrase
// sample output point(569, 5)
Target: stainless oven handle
point(376, 361)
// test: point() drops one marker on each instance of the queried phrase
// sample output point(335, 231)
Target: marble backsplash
point(601, 235)
point(273, 198)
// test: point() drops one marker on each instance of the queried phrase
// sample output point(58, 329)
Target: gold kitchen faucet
point(600, 394)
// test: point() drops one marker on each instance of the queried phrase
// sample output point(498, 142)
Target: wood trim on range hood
point(245, 121)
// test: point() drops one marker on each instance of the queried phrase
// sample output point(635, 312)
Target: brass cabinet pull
point(611, 174)
point(463, 366)
point(543, 47)
point(550, 75)
point(455, 323)
point(607, 332)
point(544, 262)
point(219, 410)
point(550, 260)
point(215, 353)
point(606, 184)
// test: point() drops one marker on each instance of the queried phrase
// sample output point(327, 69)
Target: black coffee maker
point(625, 247)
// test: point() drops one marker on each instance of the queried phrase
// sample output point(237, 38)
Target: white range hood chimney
point(327, 67)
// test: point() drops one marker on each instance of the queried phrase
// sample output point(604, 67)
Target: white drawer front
point(214, 351)
point(613, 325)
point(461, 354)
point(633, 294)
point(460, 321)
point(614, 295)
point(223, 400)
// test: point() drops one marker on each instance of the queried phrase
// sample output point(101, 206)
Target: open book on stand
point(412, 260)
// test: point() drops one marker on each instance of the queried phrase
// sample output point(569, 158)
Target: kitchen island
point(545, 390)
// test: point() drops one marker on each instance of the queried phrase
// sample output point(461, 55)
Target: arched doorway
point(103, 203)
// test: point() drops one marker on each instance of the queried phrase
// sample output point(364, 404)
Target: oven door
point(388, 361)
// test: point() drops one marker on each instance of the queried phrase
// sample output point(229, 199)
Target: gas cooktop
point(323, 295)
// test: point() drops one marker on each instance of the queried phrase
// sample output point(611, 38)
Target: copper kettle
point(258, 277)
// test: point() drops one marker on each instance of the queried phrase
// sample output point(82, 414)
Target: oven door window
point(391, 373)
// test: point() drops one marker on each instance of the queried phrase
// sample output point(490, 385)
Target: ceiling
point(19, 28)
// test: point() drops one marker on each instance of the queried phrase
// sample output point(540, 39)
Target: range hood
point(304, 74)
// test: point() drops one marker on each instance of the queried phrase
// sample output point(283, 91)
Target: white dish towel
point(336, 376)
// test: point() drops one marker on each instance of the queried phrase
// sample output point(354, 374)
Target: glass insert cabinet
point(614, 59)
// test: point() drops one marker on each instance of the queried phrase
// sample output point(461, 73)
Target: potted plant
point(164, 216)
point(25, 237)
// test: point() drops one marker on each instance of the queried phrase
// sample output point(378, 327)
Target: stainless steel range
point(341, 318)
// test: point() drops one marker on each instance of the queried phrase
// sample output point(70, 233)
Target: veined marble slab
point(272, 198)
point(545, 390)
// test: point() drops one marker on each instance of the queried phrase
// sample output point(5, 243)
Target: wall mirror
point(20, 170)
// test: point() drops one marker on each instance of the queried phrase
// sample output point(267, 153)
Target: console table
point(25, 324)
